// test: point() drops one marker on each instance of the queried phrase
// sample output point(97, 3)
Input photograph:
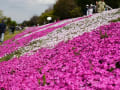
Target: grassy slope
point(8, 35)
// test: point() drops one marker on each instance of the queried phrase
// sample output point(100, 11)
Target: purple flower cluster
point(85, 63)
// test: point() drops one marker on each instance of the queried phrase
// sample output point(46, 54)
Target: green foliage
point(113, 3)
point(66, 27)
point(43, 17)
point(73, 48)
point(34, 20)
point(12, 72)
point(66, 9)
point(40, 19)
point(40, 70)
point(1, 14)
point(75, 12)
point(8, 35)
point(7, 57)
point(117, 64)
point(111, 69)
point(102, 36)
point(10, 56)
point(2, 88)
point(17, 53)
point(115, 20)
point(8, 21)
point(26, 23)
point(77, 53)
point(13, 23)
point(106, 36)
point(39, 81)
point(44, 80)
point(33, 43)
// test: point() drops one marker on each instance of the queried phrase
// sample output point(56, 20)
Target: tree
point(8, 21)
point(43, 17)
point(25, 23)
point(113, 3)
point(75, 12)
point(34, 20)
point(64, 8)
point(1, 14)
point(13, 23)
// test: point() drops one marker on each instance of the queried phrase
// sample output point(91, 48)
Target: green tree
point(8, 21)
point(25, 23)
point(34, 20)
point(43, 17)
point(1, 15)
point(65, 8)
point(13, 23)
point(75, 12)
point(113, 3)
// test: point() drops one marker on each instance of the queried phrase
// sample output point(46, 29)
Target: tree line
point(7, 20)
point(64, 9)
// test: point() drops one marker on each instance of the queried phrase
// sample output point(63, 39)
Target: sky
point(20, 10)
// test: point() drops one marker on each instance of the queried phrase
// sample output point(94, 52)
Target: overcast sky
point(21, 10)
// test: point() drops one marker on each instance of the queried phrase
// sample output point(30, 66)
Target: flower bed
point(87, 62)
point(72, 30)
point(31, 30)
point(11, 46)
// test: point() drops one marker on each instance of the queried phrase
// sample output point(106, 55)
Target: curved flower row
point(31, 30)
point(87, 62)
point(6, 49)
point(72, 30)
point(44, 27)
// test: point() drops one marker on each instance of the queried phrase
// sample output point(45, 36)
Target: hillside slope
point(76, 54)
point(46, 36)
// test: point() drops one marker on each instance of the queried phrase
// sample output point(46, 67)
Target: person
point(12, 29)
point(90, 10)
point(101, 6)
point(38, 25)
point(87, 7)
point(2, 30)
point(108, 8)
point(94, 8)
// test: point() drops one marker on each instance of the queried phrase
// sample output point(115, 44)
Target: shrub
point(115, 20)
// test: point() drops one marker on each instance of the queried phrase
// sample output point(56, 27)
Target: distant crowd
point(98, 8)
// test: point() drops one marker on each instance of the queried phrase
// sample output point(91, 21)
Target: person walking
point(2, 30)
point(101, 6)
